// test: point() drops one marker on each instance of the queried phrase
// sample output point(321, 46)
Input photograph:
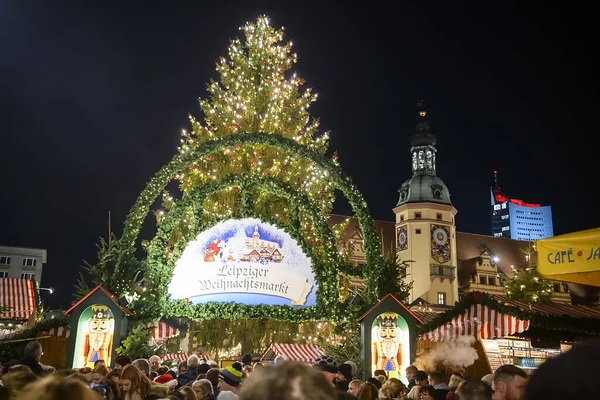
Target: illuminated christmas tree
point(257, 91)
point(527, 284)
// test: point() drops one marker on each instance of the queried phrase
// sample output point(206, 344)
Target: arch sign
point(244, 261)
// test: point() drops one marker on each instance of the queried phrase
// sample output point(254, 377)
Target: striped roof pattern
point(17, 298)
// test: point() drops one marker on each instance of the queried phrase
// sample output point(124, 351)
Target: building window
point(483, 279)
point(29, 262)
point(402, 217)
point(438, 216)
point(3, 274)
point(417, 215)
point(4, 260)
point(442, 298)
point(417, 231)
point(27, 275)
point(491, 281)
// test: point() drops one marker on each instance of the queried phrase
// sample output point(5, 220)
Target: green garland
point(158, 275)
point(566, 323)
point(213, 310)
point(161, 263)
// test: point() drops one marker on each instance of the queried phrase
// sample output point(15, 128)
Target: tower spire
point(423, 145)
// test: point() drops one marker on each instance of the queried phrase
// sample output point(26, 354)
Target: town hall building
point(444, 264)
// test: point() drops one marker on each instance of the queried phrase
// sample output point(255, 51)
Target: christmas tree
point(527, 285)
point(257, 91)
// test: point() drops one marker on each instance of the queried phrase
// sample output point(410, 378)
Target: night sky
point(94, 94)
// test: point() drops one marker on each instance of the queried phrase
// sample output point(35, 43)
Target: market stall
point(511, 332)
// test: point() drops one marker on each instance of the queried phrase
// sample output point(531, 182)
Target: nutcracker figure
point(98, 336)
point(386, 349)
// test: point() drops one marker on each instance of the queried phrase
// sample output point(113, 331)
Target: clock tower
point(425, 224)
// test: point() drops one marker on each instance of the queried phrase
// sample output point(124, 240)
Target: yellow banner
point(574, 257)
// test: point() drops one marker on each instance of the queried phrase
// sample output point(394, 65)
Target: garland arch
point(162, 258)
point(179, 163)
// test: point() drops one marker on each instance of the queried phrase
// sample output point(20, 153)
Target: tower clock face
point(402, 238)
point(440, 236)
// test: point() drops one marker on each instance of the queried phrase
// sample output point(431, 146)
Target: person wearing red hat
point(167, 380)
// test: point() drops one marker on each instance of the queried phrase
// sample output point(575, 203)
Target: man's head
point(455, 379)
point(509, 383)
point(246, 359)
point(154, 362)
point(411, 370)
point(421, 378)
point(230, 377)
point(143, 365)
point(435, 378)
point(353, 368)
point(33, 350)
point(287, 380)
point(344, 372)
point(193, 361)
point(327, 365)
point(456, 376)
point(475, 390)
point(99, 362)
point(122, 361)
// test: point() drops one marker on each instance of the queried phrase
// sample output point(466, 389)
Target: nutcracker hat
point(100, 312)
point(388, 320)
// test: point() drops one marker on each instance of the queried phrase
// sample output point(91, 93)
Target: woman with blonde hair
point(135, 385)
point(56, 388)
point(203, 389)
point(354, 386)
point(368, 391)
point(393, 388)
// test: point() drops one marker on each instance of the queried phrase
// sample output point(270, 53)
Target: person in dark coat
point(344, 377)
point(192, 372)
point(411, 370)
point(31, 357)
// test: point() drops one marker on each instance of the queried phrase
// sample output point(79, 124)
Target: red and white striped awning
point(299, 352)
point(61, 331)
point(176, 356)
point(479, 321)
point(162, 332)
point(17, 296)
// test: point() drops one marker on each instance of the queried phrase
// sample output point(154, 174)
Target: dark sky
point(94, 94)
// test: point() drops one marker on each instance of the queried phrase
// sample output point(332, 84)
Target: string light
point(256, 92)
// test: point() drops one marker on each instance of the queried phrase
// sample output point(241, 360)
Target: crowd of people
point(199, 379)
